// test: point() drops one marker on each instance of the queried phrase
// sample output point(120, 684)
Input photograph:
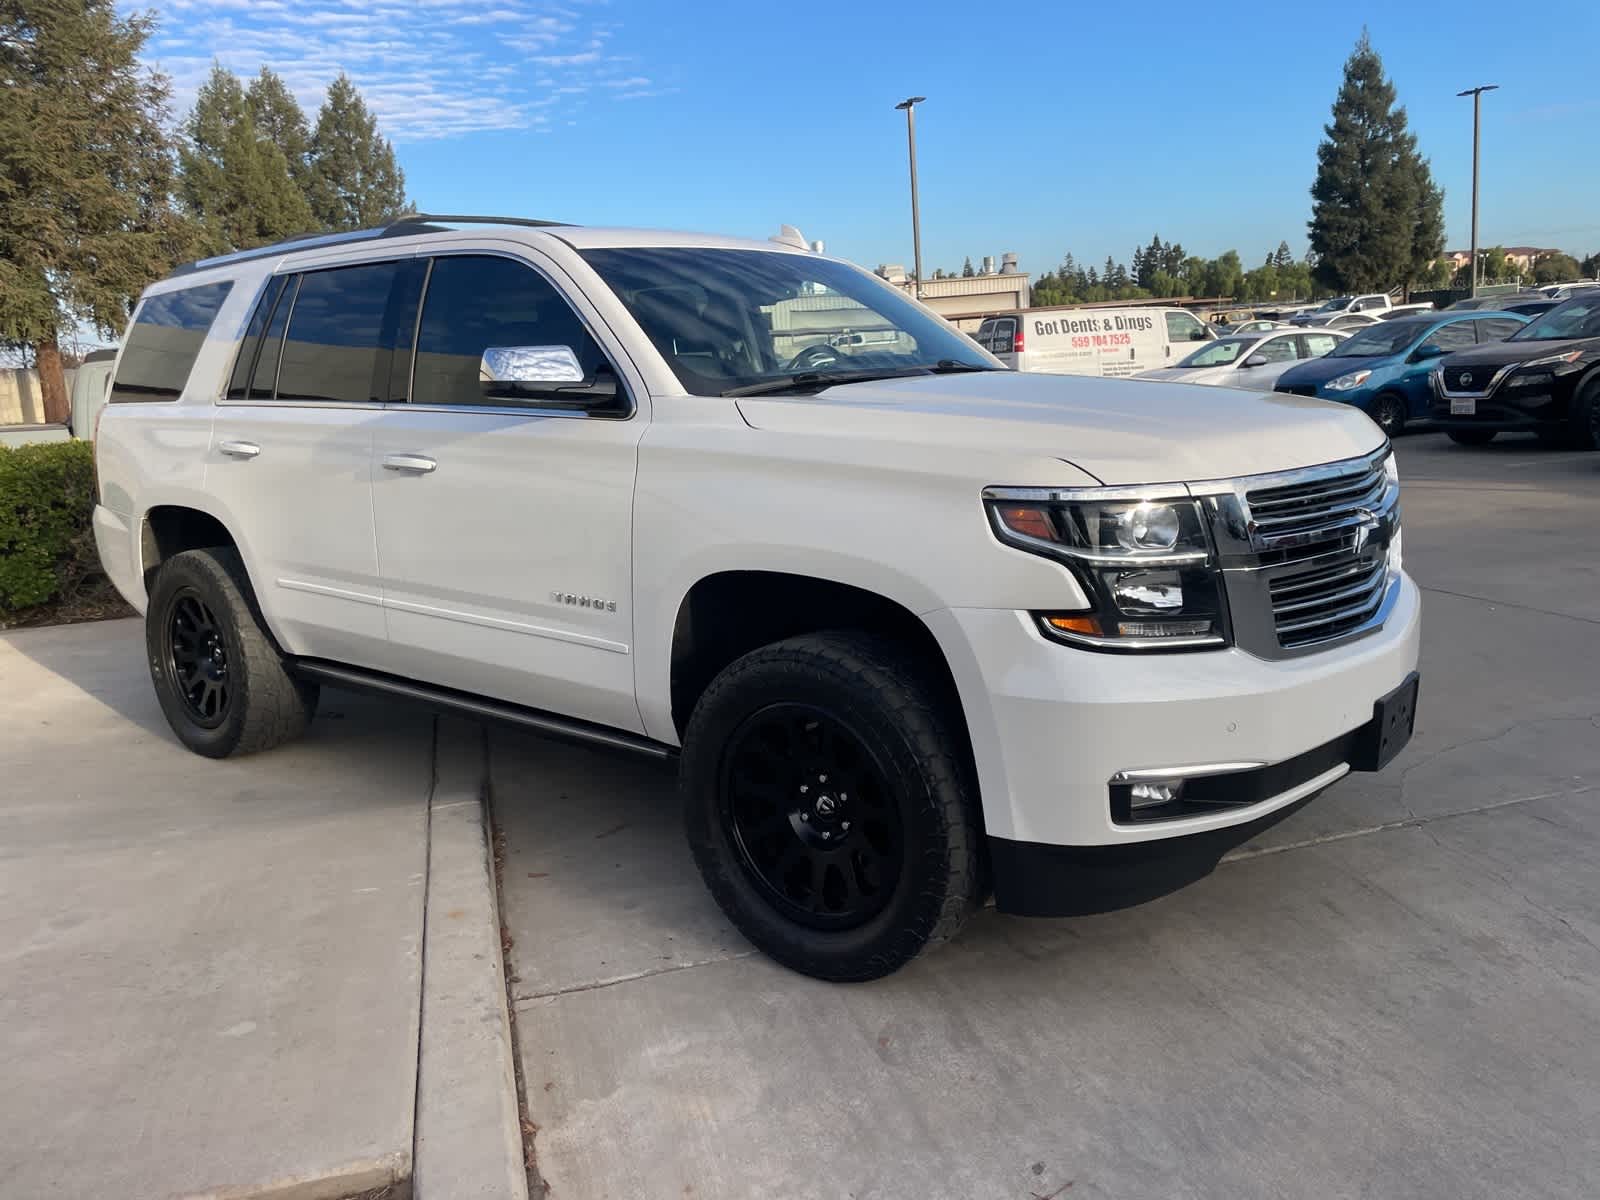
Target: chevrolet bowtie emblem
point(1368, 521)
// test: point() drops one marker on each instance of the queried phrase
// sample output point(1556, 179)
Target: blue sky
point(1048, 127)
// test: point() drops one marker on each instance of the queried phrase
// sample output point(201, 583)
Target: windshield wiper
point(951, 366)
point(815, 381)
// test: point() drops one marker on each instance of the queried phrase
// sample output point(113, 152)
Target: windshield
point(730, 321)
point(1334, 305)
point(1577, 318)
point(1386, 337)
point(1220, 352)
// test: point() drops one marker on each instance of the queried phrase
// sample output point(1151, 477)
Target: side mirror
point(1256, 360)
point(1428, 350)
point(550, 375)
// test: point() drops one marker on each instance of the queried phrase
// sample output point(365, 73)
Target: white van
point(1109, 342)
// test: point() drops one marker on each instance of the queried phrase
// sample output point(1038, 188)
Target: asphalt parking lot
point(1392, 994)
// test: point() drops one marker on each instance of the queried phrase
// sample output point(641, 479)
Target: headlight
point(1552, 360)
point(1345, 382)
point(1145, 564)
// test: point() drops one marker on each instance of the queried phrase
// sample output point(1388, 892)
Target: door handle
point(239, 449)
point(415, 464)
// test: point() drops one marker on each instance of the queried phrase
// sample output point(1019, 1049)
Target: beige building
point(966, 301)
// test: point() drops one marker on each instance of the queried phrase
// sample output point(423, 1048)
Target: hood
point(1499, 353)
point(1120, 431)
point(1318, 371)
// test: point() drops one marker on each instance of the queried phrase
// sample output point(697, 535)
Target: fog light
point(1150, 795)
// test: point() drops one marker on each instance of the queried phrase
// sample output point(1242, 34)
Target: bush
point(47, 496)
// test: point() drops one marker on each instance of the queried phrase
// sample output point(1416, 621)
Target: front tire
point(1471, 437)
point(1389, 411)
point(221, 682)
point(1586, 417)
point(828, 803)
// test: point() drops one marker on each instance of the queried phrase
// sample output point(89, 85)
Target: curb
point(468, 1136)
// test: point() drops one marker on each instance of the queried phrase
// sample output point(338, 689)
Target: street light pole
point(910, 106)
point(1477, 112)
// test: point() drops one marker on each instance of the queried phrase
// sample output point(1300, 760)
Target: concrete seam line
point(467, 1134)
point(632, 977)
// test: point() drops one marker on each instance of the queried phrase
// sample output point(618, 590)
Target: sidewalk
point(210, 972)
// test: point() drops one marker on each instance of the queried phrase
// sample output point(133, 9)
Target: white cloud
point(428, 68)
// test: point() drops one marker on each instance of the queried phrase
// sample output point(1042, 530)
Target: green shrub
point(47, 495)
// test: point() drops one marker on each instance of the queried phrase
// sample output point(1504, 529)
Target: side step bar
point(478, 708)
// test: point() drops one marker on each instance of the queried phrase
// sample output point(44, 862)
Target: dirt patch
point(97, 601)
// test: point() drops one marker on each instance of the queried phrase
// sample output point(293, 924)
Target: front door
point(504, 522)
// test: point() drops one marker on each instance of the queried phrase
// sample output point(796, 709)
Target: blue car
point(1383, 370)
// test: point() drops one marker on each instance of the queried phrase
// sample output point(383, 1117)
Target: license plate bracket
point(1463, 408)
point(1394, 718)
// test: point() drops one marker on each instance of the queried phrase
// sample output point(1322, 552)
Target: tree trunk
point(52, 381)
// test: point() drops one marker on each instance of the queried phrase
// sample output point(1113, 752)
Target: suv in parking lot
point(1545, 378)
point(915, 627)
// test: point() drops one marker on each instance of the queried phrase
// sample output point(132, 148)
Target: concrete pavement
point(212, 973)
point(1391, 994)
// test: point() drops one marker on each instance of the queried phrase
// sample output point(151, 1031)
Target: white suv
point(916, 628)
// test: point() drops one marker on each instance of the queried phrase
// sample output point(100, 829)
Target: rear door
point(1280, 352)
point(291, 452)
point(504, 517)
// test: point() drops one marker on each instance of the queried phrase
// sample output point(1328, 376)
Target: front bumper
point(1051, 725)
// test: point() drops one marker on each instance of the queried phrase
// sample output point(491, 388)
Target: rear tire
point(828, 803)
point(1389, 411)
point(1471, 437)
point(220, 679)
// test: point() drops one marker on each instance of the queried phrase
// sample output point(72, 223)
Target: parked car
point(1566, 291)
point(1109, 342)
point(1383, 370)
point(1346, 321)
point(1406, 310)
point(1374, 303)
point(911, 625)
point(1489, 303)
point(1258, 325)
point(1545, 378)
point(1253, 361)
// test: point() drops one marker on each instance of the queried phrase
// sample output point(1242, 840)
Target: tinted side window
point(1181, 327)
point(998, 335)
point(163, 343)
point(1453, 337)
point(244, 365)
point(474, 303)
point(1494, 329)
point(334, 349)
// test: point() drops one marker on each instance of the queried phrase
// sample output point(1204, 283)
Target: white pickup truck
point(916, 629)
point(1374, 305)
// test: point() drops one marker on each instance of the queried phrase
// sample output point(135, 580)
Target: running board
point(479, 708)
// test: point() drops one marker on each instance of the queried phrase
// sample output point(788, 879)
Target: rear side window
point(335, 349)
point(250, 348)
point(164, 341)
point(1495, 329)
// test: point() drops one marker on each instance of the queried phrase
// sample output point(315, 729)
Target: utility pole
point(910, 105)
point(1477, 112)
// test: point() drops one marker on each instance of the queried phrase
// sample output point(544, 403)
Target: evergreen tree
point(1283, 256)
point(1109, 272)
point(279, 119)
point(355, 181)
point(234, 181)
point(966, 268)
point(1375, 210)
point(1591, 266)
point(86, 177)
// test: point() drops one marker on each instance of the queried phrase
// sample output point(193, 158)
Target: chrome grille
point(1305, 553)
point(1326, 601)
point(1316, 507)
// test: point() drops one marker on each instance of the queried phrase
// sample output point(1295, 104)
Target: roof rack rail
point(405, 225)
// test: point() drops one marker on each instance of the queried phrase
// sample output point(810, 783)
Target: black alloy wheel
point(196, 659)
point(817, 824)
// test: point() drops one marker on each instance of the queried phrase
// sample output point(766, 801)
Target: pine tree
point(355, 181)
point(966, 268)
point(279, 119)
point(1283, 257)
point(1375, 209)
point(234, 181)
point(86, 177)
